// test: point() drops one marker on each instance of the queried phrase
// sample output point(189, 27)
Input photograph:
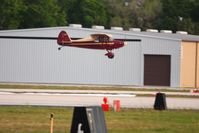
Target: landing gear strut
point(110, 55)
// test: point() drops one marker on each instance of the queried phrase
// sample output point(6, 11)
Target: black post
point(88, 120)
point(160, 101)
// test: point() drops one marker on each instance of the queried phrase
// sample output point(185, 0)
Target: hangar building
point(158, 59)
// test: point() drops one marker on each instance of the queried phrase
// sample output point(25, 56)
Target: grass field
point(29, 119)
point(59, 87)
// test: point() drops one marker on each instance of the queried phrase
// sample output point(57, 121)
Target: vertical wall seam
point(196, 65)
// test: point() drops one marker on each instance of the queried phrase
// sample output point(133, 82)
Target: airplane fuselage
point(94, 41)
point(115, 44)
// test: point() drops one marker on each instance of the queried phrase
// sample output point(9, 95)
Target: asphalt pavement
point(128, 99)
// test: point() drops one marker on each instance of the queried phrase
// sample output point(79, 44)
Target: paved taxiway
point(77, 98)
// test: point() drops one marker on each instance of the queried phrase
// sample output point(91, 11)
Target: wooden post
point(51, 122)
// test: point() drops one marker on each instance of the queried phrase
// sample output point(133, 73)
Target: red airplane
point(94, 41)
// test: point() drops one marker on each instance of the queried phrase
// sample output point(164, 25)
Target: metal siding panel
point(164, 47)
point(39, 61)
point(197, 64)
point(73, 65)
point(188, 64)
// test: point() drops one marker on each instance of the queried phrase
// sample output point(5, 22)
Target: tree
point(147, 13)
point(10, 14)
point(195, 11)
point(177, 15)
point(195, 16)
point(42, 13)
point(87, 12)
point(137, 13)
point(161, 14)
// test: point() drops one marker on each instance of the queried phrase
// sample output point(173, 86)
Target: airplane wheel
point(110, 55)
point(59, 48)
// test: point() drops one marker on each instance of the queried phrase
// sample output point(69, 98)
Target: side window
point(106, 39)
point(103, 39)
point(97, 39)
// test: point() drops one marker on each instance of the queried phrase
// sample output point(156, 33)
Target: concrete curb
point(150, 93)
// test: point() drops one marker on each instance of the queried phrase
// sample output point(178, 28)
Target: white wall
point(39, 61)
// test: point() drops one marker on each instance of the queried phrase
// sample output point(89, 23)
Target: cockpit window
point(103, 39)
point(97, 39)
point(110, 39)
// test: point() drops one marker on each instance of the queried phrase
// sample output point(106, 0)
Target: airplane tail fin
point(63, 38)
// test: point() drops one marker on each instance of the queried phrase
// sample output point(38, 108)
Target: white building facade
point(39, 61)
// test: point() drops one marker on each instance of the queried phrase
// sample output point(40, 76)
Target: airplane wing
point(86, 39)
point(95, 38)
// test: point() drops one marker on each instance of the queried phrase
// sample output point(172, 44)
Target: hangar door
point(157, 70)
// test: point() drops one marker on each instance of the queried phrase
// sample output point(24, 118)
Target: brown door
point(157, 70)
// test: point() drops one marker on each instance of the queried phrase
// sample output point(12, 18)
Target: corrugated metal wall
point(189, 64)
point(39, 61)
point(164, 47)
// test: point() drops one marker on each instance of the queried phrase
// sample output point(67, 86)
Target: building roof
point(170, 36)
point(182, 37)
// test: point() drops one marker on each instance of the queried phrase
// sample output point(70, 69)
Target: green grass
point(62, 87)
point(29, 119)
point(150, 121)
